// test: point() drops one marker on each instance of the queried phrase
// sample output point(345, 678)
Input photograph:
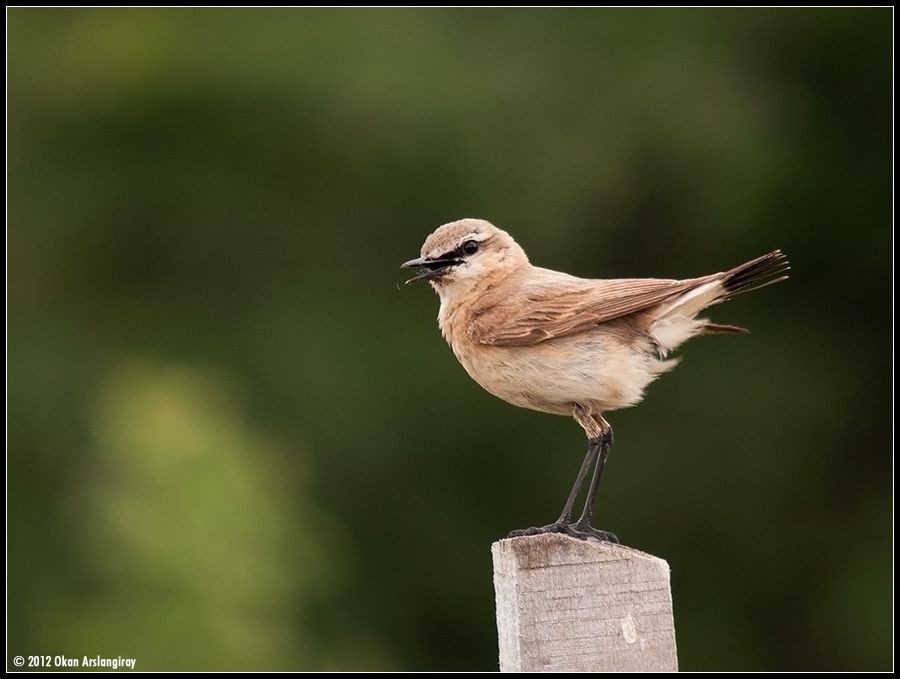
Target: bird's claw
point(581, 530)
point(557, 527)
point(584, 531)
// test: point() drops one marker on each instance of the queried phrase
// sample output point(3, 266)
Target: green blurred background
point(235, 443)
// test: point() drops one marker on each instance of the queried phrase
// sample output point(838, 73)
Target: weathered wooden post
point(581, 605)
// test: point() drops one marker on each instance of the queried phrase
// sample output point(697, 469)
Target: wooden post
point(581, 605)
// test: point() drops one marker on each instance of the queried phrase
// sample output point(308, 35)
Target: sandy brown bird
point(551, 342)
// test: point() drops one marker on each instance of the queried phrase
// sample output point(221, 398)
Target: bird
point(559, 344)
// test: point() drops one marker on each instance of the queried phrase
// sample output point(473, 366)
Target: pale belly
point(550, 377)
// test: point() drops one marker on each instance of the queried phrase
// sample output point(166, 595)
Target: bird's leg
point(604, 442)
point(599, 441)
point(589, 458)
point(582, 528)
point(562, 523)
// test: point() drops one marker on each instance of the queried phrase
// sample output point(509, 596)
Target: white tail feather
point(693, 302)
point(676, 320)
point(670, 333)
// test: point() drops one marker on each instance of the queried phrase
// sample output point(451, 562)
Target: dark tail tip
point(757, 273)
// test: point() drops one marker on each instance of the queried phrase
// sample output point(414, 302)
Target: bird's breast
point(591, 368)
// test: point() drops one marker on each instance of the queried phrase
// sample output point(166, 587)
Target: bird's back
point(543, 339)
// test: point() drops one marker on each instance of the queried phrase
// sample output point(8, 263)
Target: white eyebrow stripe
point(477, 237)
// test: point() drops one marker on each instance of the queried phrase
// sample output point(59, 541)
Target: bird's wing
point(560, 305)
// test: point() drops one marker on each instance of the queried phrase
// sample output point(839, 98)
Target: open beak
point(433, 268)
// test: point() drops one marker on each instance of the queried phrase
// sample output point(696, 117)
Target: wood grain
point(574, 605)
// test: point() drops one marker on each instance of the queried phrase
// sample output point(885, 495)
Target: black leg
point(562, 523)
point(593, 449)
point(604, 442)
point(582, 528)
point(597, 452)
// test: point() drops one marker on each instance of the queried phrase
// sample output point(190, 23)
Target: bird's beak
point(434, 268)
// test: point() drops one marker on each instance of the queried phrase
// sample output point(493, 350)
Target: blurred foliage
point(233, 443)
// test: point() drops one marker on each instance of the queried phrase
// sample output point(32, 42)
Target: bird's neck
point(454, 302)
point(460, 302)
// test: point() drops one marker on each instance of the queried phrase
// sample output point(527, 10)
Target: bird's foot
point(557, 527)
point(581, 530)
point(584, 531)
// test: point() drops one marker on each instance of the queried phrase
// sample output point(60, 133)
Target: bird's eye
point(470, 247)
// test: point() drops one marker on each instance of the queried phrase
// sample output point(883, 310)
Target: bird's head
point(461, 254)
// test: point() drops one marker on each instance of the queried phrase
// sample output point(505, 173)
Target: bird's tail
point(755, 274)
point(677, 321)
